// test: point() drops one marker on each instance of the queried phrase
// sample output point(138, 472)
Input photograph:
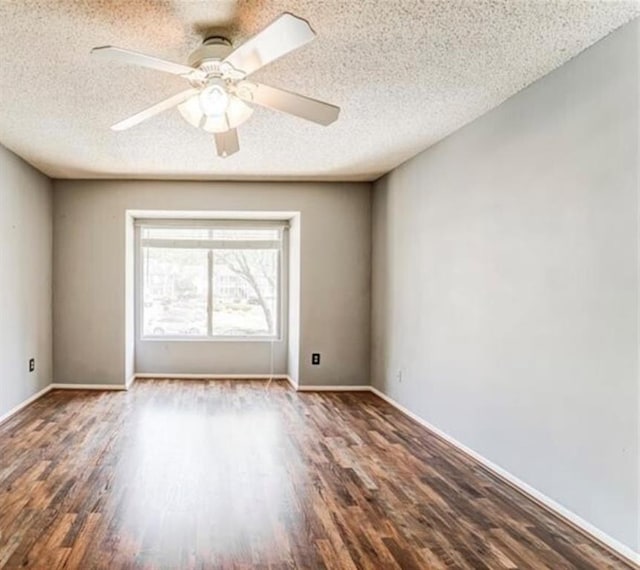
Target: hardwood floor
point(232, 474)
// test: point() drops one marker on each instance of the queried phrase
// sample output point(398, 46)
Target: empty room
point(319, 284)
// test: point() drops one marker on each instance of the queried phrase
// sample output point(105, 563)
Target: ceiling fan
point(219, 89)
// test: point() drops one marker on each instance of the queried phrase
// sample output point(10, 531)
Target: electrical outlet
point(315, 358)
point(32, 364)
point(399, 376)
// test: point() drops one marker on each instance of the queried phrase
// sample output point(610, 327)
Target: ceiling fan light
point(191, 110)
point(216, 124)
point(237, 113)
point(214, 100)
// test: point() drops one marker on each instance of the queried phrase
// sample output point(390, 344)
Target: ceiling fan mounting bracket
point(213, 48)
point(216, 40)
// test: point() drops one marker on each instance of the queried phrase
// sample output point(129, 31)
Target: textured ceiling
point(405, 72)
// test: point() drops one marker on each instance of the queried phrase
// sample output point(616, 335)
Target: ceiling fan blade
point(286, 34)
point(135, 58)
point(288, 102)
point(227, 143)
point(154, 110)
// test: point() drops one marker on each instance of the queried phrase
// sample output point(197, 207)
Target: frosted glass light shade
point(214, 100)
point(237, 113)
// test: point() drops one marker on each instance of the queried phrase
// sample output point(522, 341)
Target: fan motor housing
point(214, 48)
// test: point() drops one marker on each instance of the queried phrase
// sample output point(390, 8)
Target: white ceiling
point(405, 72)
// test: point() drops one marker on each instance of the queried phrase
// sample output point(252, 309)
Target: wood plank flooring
point(235, 474)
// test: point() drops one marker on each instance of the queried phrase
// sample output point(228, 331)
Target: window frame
point(282, 272)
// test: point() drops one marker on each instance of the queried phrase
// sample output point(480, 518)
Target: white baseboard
point(328, 388)
point(59, 386)
point(266, 376)
point(24, 404)
point(293, 383)
point(130, 381)
point(532, 493)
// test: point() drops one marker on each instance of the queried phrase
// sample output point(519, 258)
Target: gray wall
point(25, 280)
point(505, 287)
point(89, 277)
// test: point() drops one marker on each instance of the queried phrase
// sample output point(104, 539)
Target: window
point(211, 281)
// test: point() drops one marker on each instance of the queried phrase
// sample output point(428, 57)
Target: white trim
point(328, 388)
point(532, 493)
point(24, 404)
point(59, 386)
point(170, 375)
point(209, 297)
point(154, 216)
point(293, 383)
point(130, 381)
point(215, 221)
